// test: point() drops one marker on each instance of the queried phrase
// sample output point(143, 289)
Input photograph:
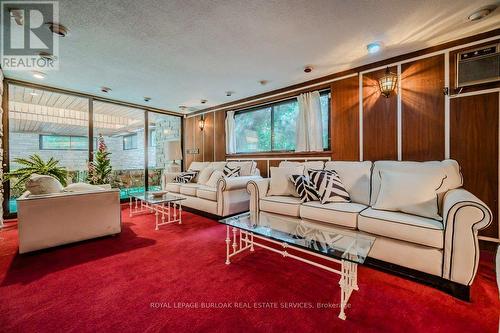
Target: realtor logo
point(27, 42)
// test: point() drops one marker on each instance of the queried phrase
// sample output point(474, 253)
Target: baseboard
point(454, 289)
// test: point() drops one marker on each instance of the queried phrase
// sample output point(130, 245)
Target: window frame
point(41, 136)
point(272, 106)
point(129, 136)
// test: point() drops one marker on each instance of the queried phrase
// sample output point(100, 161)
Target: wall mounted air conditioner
point(478, 66)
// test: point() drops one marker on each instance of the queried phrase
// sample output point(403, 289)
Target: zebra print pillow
point(185, 177)
point(329, 186)
point(231, 172)
point(305, 188)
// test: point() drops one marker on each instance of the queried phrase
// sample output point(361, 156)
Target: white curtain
point(309, 125)
point(230, 137)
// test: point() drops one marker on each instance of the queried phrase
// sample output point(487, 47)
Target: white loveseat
point(228, 197)
point(49, 220)
point(447, 249)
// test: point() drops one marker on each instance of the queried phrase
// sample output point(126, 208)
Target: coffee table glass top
point(154, 200)
point(318, 238)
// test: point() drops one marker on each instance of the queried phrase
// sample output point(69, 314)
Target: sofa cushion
point(343, 214)
point(278, 204)
point(318, 165)
point(218, 165)
point(189, 189)
point(355, 178)
point(412, 193)
point(173, 187)
point(198, 166)
point(405, 227)
point(449, 167)
point(204, 175)
point(205, 192)
point(280, 183)
point(247, 168)
point(214, 178)
point(43, 184)
point(82, 187)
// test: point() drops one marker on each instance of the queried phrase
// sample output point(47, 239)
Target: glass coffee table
point(344, 247)
point(168, 206)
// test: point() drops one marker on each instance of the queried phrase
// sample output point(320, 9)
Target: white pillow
point(82, 187)
point(214, 178)
point(43, 184)
point(409, 192)
point(247, 168)
point(281, 184)
point(204, 175)
point(317, 165)
point(198, 166)
point(218, 165)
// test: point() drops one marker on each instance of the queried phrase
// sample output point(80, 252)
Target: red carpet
point(108, 285)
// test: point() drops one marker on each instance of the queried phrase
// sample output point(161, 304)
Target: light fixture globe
point(387, 83)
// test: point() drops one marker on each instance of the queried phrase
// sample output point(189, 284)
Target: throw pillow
point(185, 177)
point(231, 172)
point(329, 186)
point(82, 187)
point(214, 178)
point(409, 192)
point(43, 184)
point(204, 175)
point(305, 188)
point(280, 183)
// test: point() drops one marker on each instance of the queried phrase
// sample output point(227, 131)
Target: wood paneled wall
point(209, 143)
point(380, 137)
point(421, 135)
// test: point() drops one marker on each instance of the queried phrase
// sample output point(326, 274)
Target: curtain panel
point(309, 134)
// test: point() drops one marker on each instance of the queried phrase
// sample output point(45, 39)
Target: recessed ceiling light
point(229, 93)
point(105, 90)
point(147, 99)
point(39, 75)
point(263, 82)
point(374, 47)
point(203, 101)
point(58, 29)
point(308, 69)
point(481, 13)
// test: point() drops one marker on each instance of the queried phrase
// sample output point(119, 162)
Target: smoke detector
point(105, 90)
point(481, 13)
point(58, 29)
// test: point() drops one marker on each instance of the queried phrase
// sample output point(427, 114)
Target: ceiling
point(181, 51)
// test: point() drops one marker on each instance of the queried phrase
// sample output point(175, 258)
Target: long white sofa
point(447, 249)
point(228, 197)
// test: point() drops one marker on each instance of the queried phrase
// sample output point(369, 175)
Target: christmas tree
point(100, 167)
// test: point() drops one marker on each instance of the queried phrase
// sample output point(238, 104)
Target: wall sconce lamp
point(387, 83)
point(201, 123)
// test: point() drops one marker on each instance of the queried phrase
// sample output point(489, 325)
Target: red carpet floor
point(148, 281)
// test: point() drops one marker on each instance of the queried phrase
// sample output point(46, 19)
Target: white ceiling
point(181, 51)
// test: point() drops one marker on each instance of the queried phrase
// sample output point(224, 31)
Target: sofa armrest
point(235, 183)
point(168, 177)
point(257, 189)
point(463, 216)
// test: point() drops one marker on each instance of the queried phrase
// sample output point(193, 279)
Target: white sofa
point(447, 249)
point(50, 220)
point(228, 197)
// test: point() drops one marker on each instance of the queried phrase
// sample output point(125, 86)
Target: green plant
point(100, 168)
point(35, 164)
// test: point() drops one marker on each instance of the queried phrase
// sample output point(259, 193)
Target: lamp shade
point(387, 83)
point(173, 151)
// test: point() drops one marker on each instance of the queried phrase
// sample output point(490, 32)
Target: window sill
point(286, 153)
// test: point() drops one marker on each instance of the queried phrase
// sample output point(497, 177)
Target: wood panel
point(453, 72)
point(345, 119)
point(208, 138)
point(188, 140)
point(220, 135)
point(380, 137)
point(422, 84)
point(474, 144)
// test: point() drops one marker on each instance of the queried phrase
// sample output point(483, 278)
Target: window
point(130, 142)
point(63, 142)
point(272, 127)
point(152, 138)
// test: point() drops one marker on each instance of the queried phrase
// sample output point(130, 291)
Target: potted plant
point(100, 168)
point(35, 165)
